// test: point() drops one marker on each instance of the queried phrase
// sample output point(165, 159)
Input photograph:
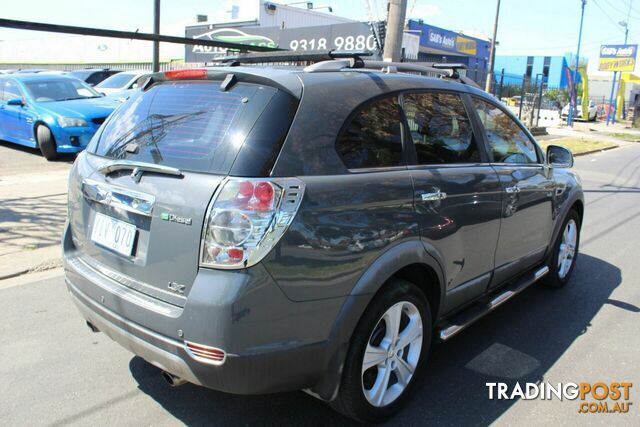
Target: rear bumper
point(280, 370)
point(272, 344)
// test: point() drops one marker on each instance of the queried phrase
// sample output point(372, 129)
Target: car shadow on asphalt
point(63, 157)
point(517, 343)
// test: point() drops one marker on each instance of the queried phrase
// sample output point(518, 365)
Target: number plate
point(114, 234)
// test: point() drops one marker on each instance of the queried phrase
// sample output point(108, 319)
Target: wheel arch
point(412, 261)
point(576, 203)
point(578, 206)
point(40, 122)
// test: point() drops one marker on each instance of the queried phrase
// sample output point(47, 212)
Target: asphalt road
point(53, 371)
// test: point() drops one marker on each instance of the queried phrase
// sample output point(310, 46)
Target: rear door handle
point(432, 197)
point(512, 190)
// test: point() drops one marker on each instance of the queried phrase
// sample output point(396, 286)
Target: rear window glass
point(189, 125)
point(373, 139)
point(117, 81)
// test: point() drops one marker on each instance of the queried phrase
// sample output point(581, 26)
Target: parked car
point(29, 70)
point(93, 76)
point(55, 113)
point(120, 82)
point(259, 230)
point(593, 111)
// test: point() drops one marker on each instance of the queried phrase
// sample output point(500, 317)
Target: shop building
point(551, 69)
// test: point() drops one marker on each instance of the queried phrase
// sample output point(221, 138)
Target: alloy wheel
point(567, 250)
point(392, 354)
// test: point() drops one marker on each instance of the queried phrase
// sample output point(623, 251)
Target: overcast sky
point(527, 27)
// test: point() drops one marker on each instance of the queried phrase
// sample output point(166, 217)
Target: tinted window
point(507, 141)
point(440, 129)
point(183, 124)
point(96, 78)
point(373, 137)
point(11, 91)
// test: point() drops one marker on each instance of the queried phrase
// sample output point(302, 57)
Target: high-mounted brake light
point(246, 218)
point(196, 73)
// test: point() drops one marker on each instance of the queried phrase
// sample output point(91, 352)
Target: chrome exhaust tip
point(172, 380)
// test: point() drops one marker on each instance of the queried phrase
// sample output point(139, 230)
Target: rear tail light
point(197, 73)
point(246, 218)
point(206, 354)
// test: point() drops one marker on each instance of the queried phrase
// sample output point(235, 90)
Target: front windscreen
point(59, 90)
point(191, 125)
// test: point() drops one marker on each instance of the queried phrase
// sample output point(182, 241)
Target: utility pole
point(156, 31)
point(395, 30)
point(573, 99)
point(492, 54)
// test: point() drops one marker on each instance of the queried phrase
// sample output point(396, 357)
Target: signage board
point(449, 41)
point(618, 57)
point(355, 36)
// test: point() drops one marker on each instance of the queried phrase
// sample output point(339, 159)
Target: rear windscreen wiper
point(138, 168)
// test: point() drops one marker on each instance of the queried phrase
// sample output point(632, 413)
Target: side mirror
point(15, 101)
point(559, 157)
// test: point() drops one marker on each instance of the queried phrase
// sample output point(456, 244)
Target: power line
point(617, 25)
point(626, 14)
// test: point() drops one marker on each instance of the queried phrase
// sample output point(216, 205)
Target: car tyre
point(46, 142)
point(393, 366)
point(563, 259)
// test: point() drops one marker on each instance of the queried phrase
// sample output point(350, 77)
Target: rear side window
point(507, 141)
point(440, 129)
point(188, 125)
point(373, 138)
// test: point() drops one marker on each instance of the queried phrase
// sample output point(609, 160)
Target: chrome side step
point(477, 311)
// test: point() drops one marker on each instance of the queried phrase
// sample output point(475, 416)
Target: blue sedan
point(55, 113)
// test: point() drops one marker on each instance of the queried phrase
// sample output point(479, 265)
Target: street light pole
point(575, 70)
point(492, 55)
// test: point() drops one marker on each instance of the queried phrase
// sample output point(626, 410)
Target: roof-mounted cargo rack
point(389, 67)
point(454, 67)
point(289, 56)
point(340, 60)
point(447, 71)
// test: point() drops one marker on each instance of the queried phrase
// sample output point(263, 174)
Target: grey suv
point(258, 230)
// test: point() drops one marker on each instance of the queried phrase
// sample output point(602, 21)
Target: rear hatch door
point(138, 197)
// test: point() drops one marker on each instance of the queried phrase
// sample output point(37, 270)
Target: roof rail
point(454, 67)
point(389, 67)
point(289, 56)
point(447, 71)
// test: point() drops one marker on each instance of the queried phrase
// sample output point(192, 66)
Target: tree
point(558, 97)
